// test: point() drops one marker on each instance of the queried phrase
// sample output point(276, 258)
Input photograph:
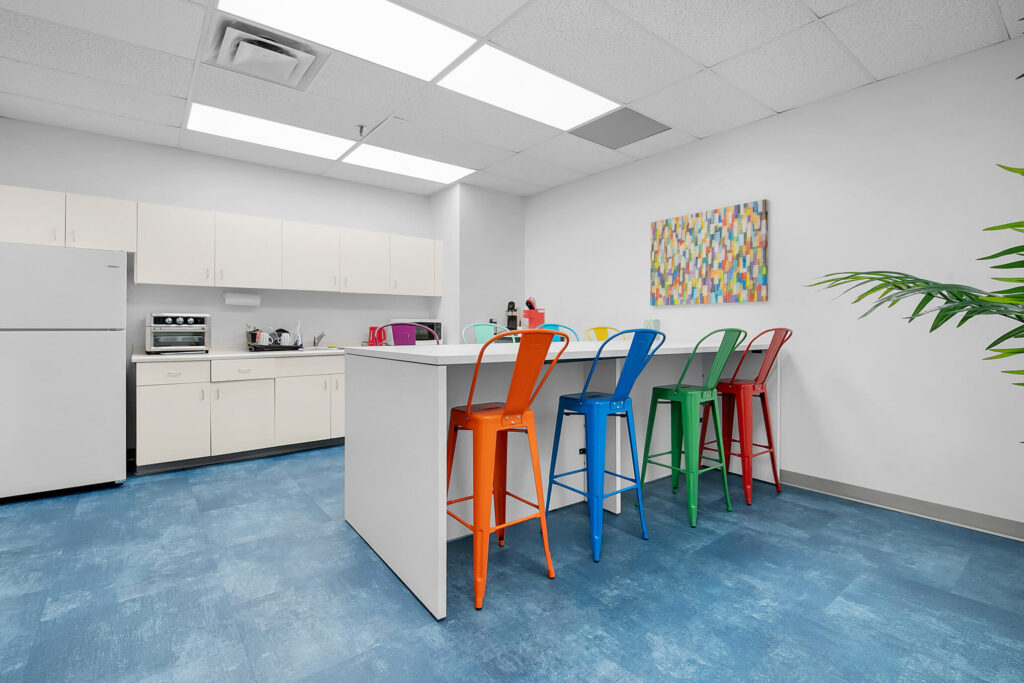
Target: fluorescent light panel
point(229, 124)
point(391, 161)
point(374, 30)
point(500, 79)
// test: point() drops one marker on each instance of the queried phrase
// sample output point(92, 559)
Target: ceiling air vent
point(253, 50)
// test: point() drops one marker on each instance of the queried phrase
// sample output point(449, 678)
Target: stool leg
point(636, 474)
point(596, 426)
point(554, 455)
point(677, 442)
point(728, 411)
point(744, 405)
point(771, 441)
point(703, 433)
point(724, 467)
point(688, 422)
point(453, 434)
point(531, 432)
point(483, 481)
point(500, 468)
point(647, 444)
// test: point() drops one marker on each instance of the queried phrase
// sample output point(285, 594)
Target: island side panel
point(395, 419)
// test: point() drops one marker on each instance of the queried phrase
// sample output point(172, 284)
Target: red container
point(534, 317)
point(372, 339)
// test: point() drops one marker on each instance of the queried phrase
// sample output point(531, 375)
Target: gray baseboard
point(913, 506)
point(229, 457)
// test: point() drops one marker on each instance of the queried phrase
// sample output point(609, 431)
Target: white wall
point(898, 175)
point(60, 159)
point(444, 209)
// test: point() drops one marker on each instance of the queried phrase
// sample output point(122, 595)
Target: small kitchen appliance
point(178, 333)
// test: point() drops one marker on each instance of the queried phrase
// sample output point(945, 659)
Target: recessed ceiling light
point(230, 124)
point(510, 83)
point(374, 30)
point(389, 160)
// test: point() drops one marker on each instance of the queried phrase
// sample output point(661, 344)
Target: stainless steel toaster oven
point(178, 333)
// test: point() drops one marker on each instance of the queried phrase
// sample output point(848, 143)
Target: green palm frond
point(945, 300)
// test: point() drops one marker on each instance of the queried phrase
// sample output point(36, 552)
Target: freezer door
point(56, 288)
point(62, 410)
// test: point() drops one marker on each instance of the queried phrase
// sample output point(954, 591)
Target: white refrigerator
point(62, 368)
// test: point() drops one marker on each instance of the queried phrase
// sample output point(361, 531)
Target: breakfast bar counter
point(397, 401)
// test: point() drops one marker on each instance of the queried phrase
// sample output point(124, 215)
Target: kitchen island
point(397, 401)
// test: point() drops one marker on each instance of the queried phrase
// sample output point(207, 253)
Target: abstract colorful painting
point(711, 257)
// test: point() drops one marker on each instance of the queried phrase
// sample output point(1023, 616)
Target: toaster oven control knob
point(168, 320)
point(180, 320)
point(191, 321)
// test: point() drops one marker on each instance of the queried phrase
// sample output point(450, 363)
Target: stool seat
point(738, 385)
point(578, 402)
point(480, 413)
point(672, 392)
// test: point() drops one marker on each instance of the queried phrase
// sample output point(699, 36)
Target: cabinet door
point(242, 416)
point(248, 252)
point(30, 216)
point(365, 261)
point(172, 422)
point(303, 408)
point(175, 246)
point(101, 223)
point(337, 406)
point(412, 265)
point(311, 257)
point(438, 266)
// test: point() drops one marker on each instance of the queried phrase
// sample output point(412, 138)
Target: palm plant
point(891, 287)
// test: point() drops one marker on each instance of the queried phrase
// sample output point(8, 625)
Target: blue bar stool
point(596, 407)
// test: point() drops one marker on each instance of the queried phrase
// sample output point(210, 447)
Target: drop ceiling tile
point(594, 46)
point(371, 176)
point(656, 144)
point(894, 36)
point(825, 7)
point(40, 83)
point(803, 66)
point(65, 116)
point(253, 96)
point(1013, 15)
point(713, 30)
point(32, 40)
point(353, 81)
point(530, 170)
point(172, 26)
point(577, 154)
point(502, 184)
point(256, 154)
point(476, 16)
point(412, 138)
point(702, 105)
point(460, 116)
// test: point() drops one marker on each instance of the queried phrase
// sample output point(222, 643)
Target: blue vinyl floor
point(247, 571)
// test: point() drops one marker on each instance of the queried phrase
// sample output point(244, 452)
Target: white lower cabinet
point(303, 407)
point(172, 423)
point(242, 416)
point(337, 406)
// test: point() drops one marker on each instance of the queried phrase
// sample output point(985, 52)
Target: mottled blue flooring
point(247, 571)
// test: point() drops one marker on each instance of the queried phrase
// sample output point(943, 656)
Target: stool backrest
point(600, 333)
point(641, 350)
point(559, 328)
point(403, 334)
point(731, 339)
point(480, 332)
point(533, 350)
point(780, 335)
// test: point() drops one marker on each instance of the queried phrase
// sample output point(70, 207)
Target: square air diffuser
point(620, 128)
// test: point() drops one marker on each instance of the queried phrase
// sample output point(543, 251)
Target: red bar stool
point(490, 424)
point(738, 399)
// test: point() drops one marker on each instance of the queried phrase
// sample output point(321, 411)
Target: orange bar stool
point(738, 399)
point(491, 424)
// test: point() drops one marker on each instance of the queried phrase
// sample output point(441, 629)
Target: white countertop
point(466, 354)
point(229, 353)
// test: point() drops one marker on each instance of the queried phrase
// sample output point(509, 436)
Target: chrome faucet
point(319, 338)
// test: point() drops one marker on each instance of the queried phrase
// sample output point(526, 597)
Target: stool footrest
point(566, 486)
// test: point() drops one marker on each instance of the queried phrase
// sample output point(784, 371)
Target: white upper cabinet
point(311, 257)
point(30, 216)
point(412, 265)
point(248, 252)
point(365, 264)
point(175, 246)
point(101, 223)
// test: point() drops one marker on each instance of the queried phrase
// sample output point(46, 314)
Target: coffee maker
point(512, 316)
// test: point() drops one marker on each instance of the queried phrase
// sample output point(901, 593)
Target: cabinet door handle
point(222, 275)
point(346, 280)
point(202, 394)
point(335, 280)
point(54, 232)
point(207, 273)
point(72, 236)
point(337, 384)
point(325, 385)
point(174, 374)
point(245, 369)
point(217, 393)
point(396, 284)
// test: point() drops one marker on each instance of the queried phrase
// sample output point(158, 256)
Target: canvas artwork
point(711, 257)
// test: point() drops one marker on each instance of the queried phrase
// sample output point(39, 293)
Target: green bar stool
point(686, 402)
